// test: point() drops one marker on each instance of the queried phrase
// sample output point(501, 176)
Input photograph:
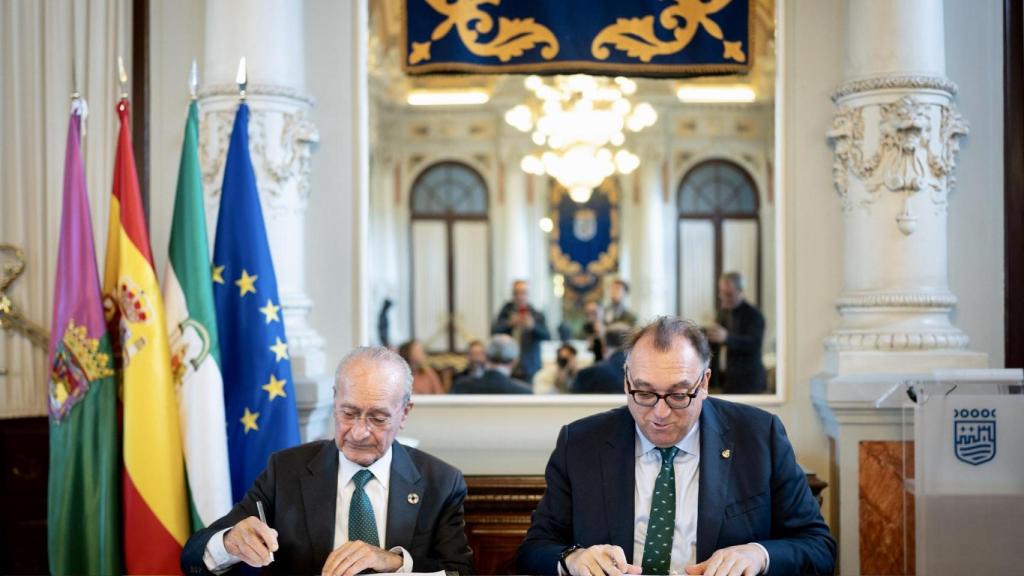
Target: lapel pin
point(413, 498)
point(726, 453)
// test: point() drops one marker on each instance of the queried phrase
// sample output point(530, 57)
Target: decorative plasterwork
point(904, 161)
point(897, 341)
point(896, 300)
point(909, 82)
point(252, 89)
point(281, 148)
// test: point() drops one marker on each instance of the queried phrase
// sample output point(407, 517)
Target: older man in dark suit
point(361, 502)
point(502, 353)
point(520, 320)
point(736, 340)
point(675, 482)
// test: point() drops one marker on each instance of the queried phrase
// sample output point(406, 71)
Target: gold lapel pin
point(726, 453)
point(413, 498)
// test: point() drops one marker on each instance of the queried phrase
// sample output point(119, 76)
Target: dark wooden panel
point(1013, 179)
point(498, 510)
point(25, 453)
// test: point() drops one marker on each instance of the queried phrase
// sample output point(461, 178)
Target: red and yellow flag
point(156, 522)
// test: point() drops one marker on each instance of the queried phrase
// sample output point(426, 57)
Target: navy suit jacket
point(490, 382)
point(756, 494)
point(299, 491)
point(605, 377)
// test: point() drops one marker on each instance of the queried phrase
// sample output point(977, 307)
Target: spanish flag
point(156, 521)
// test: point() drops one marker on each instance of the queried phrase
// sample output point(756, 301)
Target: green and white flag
point(195, 353)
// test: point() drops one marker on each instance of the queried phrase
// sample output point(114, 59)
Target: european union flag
point(259, 395)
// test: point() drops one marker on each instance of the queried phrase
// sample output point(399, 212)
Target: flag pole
point(241, 79)
point(122, 78)
point(193, 80)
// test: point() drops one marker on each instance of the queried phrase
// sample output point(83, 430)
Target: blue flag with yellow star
point(259, 395)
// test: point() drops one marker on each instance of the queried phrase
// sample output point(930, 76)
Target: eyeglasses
point(648, 399)
point(374, 421)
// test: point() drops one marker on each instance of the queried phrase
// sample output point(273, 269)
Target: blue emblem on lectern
point(974, 435)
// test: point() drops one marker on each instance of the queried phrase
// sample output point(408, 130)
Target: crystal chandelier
point(581, 121)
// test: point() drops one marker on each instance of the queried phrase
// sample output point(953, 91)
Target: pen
point(263, 518)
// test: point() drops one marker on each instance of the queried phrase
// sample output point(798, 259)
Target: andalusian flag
point(195, 354)
point(259, 395)
point(156, 522)
point(82, 518)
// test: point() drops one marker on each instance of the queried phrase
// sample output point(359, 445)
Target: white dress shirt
point(218, 560)
point(687, 470)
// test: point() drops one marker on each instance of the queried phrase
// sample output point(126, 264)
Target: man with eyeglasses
point(675, 482)
point(362, 502)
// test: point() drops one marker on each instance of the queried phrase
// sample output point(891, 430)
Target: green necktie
point(361, 523)
point(662, 521)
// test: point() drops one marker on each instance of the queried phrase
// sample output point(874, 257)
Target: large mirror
point(480, 226)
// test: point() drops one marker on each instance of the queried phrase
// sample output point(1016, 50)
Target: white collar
point(689, 443)
point(381, 469)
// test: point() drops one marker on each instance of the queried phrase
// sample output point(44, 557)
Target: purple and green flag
point(83, 515)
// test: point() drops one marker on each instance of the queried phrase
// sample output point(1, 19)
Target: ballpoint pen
point(263, 518)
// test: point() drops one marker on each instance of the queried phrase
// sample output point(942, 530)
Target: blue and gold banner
point(585, 238)
point(628, 37)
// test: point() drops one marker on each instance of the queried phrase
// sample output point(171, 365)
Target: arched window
point(450, 254)
point(719, 231)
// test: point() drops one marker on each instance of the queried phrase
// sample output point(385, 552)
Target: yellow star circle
point(217, 272)
point(246, 284)
point(249, 420)
point(270, 311)
point(275, 387)
point(280, 350)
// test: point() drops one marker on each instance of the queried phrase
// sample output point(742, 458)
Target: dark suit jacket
point(744, 373)
point(604, 377)
point(529, 340)
point(758, 494)
point(299, 491)
point(491, 382)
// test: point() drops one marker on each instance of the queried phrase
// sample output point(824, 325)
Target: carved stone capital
point(869, 340)
point(900, 82)
point(912, 300)
point(915, 152)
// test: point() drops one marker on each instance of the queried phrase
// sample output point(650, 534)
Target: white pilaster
point(269, 34)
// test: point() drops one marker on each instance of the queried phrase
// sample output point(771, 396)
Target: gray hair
point(502, 349)
point(377, 355)
point(734, 278)
point(665, 330)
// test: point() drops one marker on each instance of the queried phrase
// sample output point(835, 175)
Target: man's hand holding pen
point(252, 541)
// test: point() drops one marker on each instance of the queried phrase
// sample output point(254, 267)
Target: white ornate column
point(895, 136)
point(269, 34)
point(649, 282)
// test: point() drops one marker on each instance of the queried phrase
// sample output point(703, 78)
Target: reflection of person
point(675, 480)
point(526, 324)
point(424, 378)
point(616, 311)
point(736, 339)
point(593, 329)
point(362, 502)
point(502, 353)
point(606, 376)
point(557, 378)
point(476, 360)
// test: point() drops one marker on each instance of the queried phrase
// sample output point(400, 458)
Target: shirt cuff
point(216, 557)
point(767, 558)
point(406, 559)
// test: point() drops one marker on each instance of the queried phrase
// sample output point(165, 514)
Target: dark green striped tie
point(361, 523)
point(662, 521)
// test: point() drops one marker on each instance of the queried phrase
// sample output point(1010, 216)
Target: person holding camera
point(557, 378)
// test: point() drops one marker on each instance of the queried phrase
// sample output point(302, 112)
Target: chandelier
point(581, 121)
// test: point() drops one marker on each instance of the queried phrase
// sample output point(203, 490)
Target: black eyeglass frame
point(679, 396)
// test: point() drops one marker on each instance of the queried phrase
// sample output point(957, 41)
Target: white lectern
point(963, 467)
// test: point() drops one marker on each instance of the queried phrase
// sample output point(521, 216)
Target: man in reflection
point(593, 329)
point(616, 310)
point(476, 360)
point(527, 326)
point(605, 377)
point(502, 353)
point(736, 340)
point(557, 378)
